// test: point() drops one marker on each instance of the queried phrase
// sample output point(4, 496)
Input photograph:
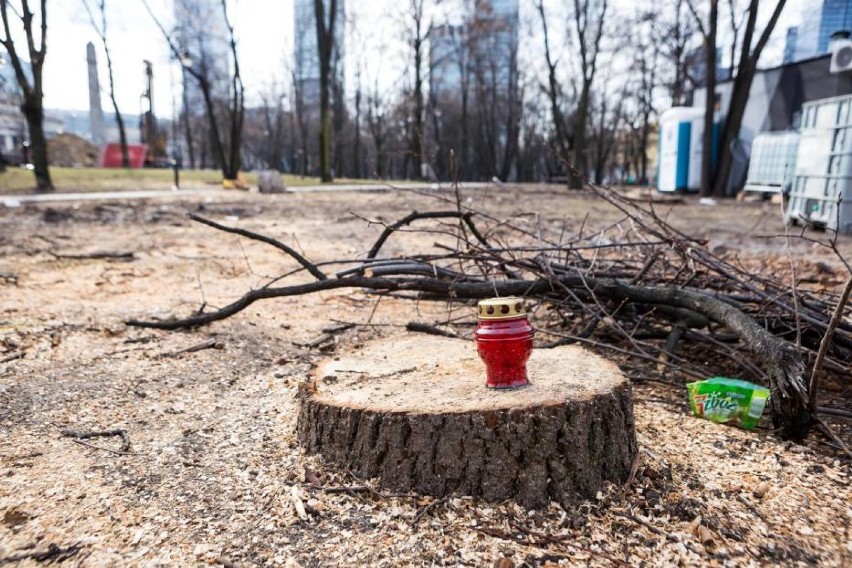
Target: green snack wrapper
point(721, 399)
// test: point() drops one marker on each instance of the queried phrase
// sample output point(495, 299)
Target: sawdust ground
point(213, 460)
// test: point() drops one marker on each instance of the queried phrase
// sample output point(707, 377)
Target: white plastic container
point(821, 193)
point(772, 163)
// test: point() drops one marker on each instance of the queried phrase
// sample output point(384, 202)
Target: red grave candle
point(504, 342)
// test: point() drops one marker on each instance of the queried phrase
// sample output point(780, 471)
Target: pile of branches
point(638, 286)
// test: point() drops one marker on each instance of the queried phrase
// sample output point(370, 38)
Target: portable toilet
point(681, 143)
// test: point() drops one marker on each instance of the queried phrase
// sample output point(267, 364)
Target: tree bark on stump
point(414, 413)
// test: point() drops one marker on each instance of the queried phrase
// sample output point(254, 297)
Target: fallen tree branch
point(308, 265)
point(783, 364)
point(415, 216)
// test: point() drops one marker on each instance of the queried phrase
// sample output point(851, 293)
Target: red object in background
point(111, 156)
point(504, 342)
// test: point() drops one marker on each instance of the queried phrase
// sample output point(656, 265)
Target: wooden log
point(413, 411)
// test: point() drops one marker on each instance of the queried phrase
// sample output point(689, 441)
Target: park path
point(16, 200)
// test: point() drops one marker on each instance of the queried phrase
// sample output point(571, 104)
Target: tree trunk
point(428, 424)
point(356, 152)
point(710, 104)
point(553, 90)
point(30, 83)
point(643, 151)
point(34, 114)
point(122, 134)
point(742, 85)
point(190, 147)
point(215, 137)
point(417, 148)
point(237, 110)
point(580, 152)
point(731, 130)
point(325, 46)
point(325, 135)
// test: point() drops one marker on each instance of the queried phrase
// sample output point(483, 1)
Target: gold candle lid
point(501, 308)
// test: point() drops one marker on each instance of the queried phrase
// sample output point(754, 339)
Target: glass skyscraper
point(817, 27)
point(790, 44)
point(306, 55)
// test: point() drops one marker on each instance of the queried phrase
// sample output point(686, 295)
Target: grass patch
point(17, 180)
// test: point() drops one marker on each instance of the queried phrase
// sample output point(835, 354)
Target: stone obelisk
point(96, 113)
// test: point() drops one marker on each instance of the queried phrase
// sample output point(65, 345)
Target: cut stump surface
point(414, 412)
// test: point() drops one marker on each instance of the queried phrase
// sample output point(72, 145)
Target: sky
point(264, 31)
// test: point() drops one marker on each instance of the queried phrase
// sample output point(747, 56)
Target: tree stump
point(414, 412)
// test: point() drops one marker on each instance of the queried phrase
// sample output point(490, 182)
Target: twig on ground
point(12, 357)
point(656, 530)
point(549, 540)
point(826, 342)
point(634, 468)
point(834, 411)
point(419, 327)
point(9, 278)
point(226, 562)
point(105, 255)
point(54, 553)
point(425, 510)
point(207, 344)
point(825, 429)
point(751, 507)
point(80, 435)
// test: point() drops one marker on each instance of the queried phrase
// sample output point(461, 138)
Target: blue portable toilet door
point(684, 134)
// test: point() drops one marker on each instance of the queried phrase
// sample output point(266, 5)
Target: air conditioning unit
point(841, 56)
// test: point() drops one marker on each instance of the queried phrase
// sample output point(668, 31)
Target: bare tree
point(450, 76)
point(644, 84)
point(564, 141)
point(745, 70)
point(604, 132)
point(302, 125)
point(265, 132)
point(227, 139)
point(357, 156)
point(493, 47)
point(31, 84)
point(101, 30)
point(325, 49)
point(672, 38)
point(377, 123)
point(588, 17)
point(708, 33)
point(587, 26)
point(461, 42)
point(715, 181)
point(417, 32)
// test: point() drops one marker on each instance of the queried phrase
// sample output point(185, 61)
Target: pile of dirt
point(69, 150)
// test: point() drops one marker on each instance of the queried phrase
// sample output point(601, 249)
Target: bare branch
point(309, 266)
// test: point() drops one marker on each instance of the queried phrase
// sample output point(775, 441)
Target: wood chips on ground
point(214, 476)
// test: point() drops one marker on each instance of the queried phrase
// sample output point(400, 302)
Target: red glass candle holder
point(504, 342)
